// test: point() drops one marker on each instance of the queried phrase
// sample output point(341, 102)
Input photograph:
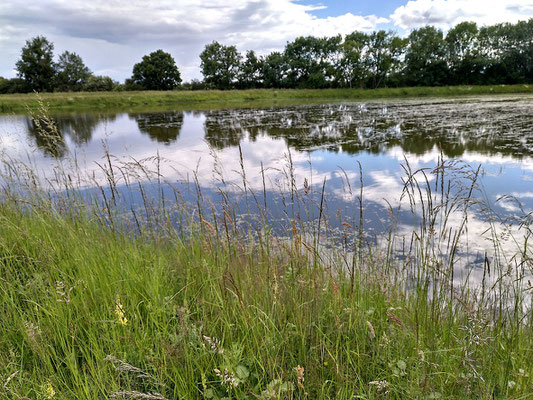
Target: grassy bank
point(236, 98)
point(90, 314)
point(90, 309)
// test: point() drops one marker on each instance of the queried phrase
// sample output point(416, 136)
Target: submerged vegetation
point(176, 299)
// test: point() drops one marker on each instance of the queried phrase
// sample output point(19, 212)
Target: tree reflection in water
point(163, 127)
point(50, 132)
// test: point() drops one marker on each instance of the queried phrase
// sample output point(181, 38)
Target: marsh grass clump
point(175, 299)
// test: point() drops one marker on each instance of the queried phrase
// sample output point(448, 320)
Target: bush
point(100, 84)
point(13, 85)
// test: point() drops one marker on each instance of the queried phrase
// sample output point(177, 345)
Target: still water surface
point(297, 148)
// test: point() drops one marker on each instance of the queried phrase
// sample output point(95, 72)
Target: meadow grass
point(236, 98)
point(180, 305)
point(88, 313)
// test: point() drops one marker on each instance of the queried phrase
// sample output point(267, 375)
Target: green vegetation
point(156, 71)
point(36, 66)
point(465, 55)
point(181, 301)
point(37, 72)
point(235, 98)
point(71, 73)
point(220, 65)
point(77, 298)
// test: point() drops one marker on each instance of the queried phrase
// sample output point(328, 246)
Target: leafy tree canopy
point(36, 65)
point(352, 67)
point(250, 71)
point(13, 85)
point(312, 60)
point(425, 58)
point(157, 71)
point(72, 74)
point(275, 69)
point(220, 65)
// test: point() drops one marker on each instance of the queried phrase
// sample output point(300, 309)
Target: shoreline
point(191, 100)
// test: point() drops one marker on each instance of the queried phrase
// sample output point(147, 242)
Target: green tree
point(516, 51)
point(250, 72)
point(312, 61)
point(425, 59)
point(13, 85)
point(220, 65)
point(130, 85)
point(72, 74)
point(492, 47)
point(352, 69)
point(275, 70)
point(465, 58)
point(382, 57)
point(157, 71)
point(36, 64)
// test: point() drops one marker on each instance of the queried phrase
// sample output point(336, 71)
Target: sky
point(112, 35)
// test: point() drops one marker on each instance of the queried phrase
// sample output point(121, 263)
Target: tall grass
point(195, 300)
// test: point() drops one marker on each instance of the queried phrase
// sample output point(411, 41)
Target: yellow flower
point(49, 391)
point(119, 311)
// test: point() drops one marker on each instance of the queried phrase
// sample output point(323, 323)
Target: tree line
point(37, 71)
point(465, 55)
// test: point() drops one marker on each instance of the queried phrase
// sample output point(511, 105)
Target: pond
point(451, 165)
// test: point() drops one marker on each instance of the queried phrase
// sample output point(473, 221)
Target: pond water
point(283, 152)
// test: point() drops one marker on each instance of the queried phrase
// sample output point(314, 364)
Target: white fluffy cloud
point(447, 13)
point(111, 35)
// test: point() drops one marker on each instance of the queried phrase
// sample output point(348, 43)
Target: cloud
point(447, 13)
point(133, 28)
point(112, 35)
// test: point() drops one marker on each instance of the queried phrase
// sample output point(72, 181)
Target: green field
point(235, 98)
